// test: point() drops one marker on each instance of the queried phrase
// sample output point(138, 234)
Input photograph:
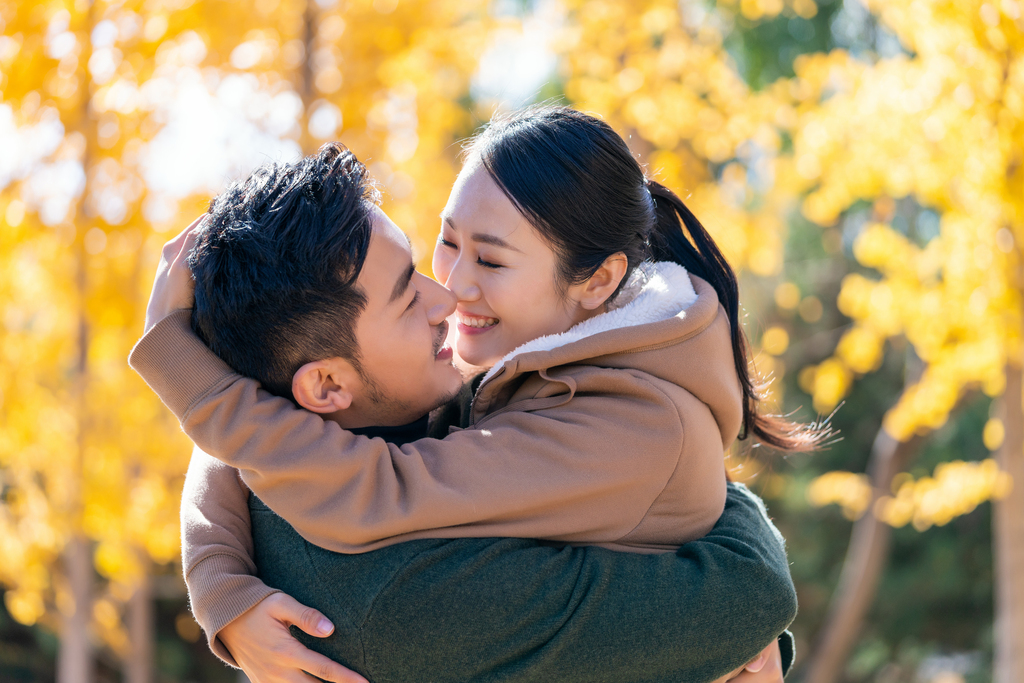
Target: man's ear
point(325, 386)
point(602, 284)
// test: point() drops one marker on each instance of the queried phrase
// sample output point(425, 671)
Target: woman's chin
point(471, 361)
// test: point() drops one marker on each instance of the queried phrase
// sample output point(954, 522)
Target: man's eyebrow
point(483, 237)
point(402, 283)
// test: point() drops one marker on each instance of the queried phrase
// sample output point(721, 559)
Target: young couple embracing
point(563, 515)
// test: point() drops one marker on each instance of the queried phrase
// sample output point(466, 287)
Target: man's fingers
point(293, 612)
point(758, 663)
point(327, 669)
point(314, 623)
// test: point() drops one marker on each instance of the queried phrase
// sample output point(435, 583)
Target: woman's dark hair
point(577, 182)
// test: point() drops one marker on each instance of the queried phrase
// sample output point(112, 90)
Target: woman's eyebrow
point(494, 241)
point(483, 237)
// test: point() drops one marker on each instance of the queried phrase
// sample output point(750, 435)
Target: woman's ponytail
point(679, 237)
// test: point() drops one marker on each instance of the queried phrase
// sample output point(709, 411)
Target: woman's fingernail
point(324, 626)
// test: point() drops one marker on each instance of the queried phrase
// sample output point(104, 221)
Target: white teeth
point(478, 322)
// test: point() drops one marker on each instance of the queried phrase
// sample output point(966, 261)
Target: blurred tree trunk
point(74, 662)
point(139, 667)
point(307, 75)
point(1008, 539)
point(865, 559)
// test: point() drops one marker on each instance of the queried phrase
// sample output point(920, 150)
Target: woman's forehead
point(478, 205)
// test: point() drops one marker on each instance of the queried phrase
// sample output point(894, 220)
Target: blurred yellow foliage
point(993, 434)
point(956, 488)
point(944, 125)
point(25, 607)
point(852, 492)
point(656, 70)
point(775, 340)
point(861, 349)
point(827, 383)
point(787, 296)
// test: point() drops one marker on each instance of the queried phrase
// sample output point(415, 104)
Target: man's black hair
point(276, 265)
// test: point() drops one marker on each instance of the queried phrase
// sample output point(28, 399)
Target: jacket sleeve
point(514, 610)
point(519, 473)
point(217, 548)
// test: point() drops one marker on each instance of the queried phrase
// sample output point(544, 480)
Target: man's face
point(407, 368)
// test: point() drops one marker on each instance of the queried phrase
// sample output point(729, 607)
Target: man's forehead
point(385, 227)
point(388, 262)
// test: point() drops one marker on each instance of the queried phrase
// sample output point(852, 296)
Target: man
point(304, 284)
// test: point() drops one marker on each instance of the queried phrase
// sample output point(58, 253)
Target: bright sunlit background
point(861, 162)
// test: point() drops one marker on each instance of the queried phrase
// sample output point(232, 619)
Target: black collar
point(399, 435)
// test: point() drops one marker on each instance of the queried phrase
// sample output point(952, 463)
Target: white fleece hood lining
point(655, 292)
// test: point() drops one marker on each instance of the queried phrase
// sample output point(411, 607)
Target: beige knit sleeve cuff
point(176, 364)
point(221, 589)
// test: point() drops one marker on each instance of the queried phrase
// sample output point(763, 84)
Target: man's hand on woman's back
point(263, 647)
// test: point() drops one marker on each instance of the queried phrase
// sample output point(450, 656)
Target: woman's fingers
point(173, 285)
point(173, 247)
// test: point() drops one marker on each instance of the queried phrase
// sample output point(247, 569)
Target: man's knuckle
point(325, 671)
point(309, 618)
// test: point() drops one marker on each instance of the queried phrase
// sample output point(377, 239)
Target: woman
point(571, 273)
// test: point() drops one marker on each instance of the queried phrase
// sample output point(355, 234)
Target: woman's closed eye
point(479, 261)
point(488, 264)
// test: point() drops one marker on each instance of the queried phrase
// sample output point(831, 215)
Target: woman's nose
point(461, 284)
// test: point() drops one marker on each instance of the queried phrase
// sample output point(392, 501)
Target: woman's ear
point(603, 283)
point(324, 386)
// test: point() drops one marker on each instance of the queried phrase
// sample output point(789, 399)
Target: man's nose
point(440, 302)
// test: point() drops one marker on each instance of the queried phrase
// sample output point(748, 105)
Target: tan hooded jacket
point(611, 434)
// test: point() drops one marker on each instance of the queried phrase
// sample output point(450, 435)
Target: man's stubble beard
point(387, 407)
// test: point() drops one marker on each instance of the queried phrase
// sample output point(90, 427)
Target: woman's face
point(500, 268)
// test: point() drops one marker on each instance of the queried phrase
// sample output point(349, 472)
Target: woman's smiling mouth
point(474, 324)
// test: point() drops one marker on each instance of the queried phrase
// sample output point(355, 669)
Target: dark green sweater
point(520, 610)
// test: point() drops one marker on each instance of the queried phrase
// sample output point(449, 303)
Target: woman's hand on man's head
point(173, 287)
